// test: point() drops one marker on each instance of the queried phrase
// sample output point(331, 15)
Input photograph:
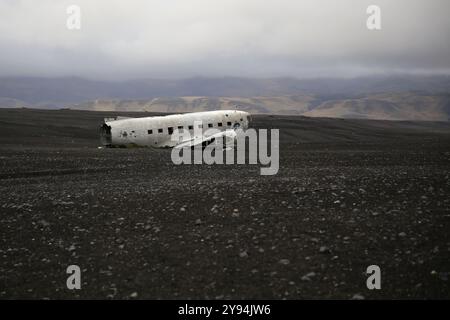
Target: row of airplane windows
point(191, 127)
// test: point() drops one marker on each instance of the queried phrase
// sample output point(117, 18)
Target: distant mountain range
point(387, 106)
point(391, 98)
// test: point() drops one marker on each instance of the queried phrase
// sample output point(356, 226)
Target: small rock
point(243, 254)
point(284, 261)
point(324, 249)
point(308, 276)
point(305, 278)
point(44, 223)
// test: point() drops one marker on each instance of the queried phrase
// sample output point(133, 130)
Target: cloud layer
point(251, 38)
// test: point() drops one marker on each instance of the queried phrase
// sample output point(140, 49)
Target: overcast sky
point(252, 38)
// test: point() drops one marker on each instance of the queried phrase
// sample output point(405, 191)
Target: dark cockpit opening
point(105, 135)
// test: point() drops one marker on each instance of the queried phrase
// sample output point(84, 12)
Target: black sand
point(349, 194)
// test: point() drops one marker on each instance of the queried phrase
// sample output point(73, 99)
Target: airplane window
point(229, 123)
point(210, 125)
point(170, 129)
point(180, 127)
point(160, 130)
point(241, 119)
point(219, 124)
point(150, 131)
point(191, 127)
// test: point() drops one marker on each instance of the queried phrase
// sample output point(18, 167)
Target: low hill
point(384, 106)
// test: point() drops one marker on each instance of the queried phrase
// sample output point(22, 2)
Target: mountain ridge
point(384, 106)
point(426, 98)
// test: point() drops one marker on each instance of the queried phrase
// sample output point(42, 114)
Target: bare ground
point(349, 194)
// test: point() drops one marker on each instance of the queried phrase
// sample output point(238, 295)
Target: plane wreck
point(190, 129)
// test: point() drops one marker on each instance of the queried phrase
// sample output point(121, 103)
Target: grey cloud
point(179, 38)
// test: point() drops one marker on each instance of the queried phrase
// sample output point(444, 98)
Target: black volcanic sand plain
point(349, 194)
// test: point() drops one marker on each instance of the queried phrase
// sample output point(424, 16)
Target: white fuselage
point(158, 131)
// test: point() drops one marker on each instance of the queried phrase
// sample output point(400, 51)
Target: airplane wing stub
point(228, 135)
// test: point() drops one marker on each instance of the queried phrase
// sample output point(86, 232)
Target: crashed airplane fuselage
point(159, 131)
